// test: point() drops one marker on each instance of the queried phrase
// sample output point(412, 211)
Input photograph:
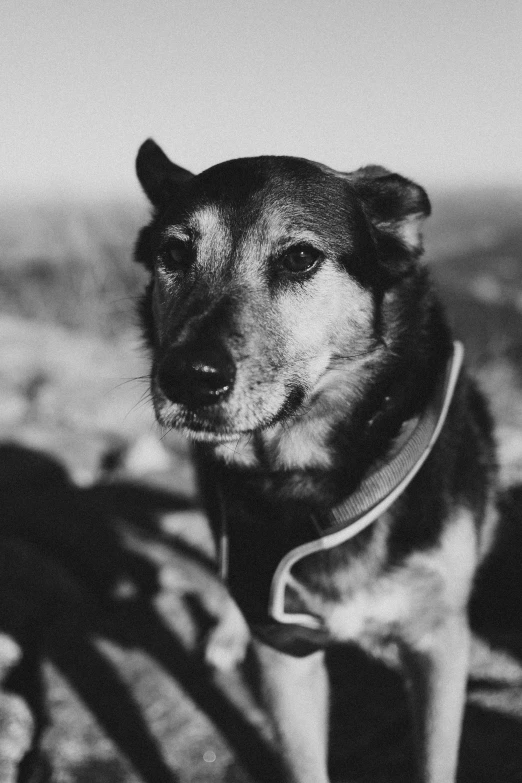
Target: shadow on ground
point(106, 595)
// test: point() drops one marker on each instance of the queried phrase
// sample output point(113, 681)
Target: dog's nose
point(197, 377)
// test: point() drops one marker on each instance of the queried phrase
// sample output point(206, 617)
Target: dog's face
point(268, 276)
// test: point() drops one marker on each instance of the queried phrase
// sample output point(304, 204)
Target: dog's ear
point(395, 205)
point(159, 177)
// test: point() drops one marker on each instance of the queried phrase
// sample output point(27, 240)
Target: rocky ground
point(107, 587)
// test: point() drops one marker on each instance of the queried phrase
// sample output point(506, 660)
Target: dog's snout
point(197, 376)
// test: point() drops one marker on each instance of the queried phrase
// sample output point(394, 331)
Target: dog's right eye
point(177, 256)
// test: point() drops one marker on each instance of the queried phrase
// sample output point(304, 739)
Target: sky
point(429, 88)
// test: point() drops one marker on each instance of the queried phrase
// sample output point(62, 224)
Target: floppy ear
point(394, 204)
point(159, 177)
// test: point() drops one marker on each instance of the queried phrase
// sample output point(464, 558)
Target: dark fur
point(365, 221)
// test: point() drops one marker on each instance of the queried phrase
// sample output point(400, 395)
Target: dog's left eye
point(300, 259)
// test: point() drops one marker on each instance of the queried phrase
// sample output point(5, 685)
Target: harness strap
point(375, 494)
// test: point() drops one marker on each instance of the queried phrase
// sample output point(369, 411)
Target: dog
point(297, 339)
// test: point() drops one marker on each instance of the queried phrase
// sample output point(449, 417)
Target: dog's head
point(268, 278)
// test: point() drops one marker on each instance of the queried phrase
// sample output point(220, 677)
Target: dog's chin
point(207, 428)
point(213, 436)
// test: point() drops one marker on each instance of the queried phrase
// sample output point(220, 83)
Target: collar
point(377, 491)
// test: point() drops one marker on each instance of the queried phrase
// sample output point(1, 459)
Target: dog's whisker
point(145, 401)
point(133, 379)
point(168, 430)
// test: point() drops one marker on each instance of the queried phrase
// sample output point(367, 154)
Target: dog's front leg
point(295, 693)
point(438, 671)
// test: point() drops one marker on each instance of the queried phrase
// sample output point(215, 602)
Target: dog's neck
point(322, 454)
point(302, 442)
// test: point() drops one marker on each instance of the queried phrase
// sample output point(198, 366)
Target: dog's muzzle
point(197, 376)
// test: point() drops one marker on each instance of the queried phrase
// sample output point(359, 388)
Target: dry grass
point(72, 265)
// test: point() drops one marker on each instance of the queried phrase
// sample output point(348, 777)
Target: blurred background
point(428, 89)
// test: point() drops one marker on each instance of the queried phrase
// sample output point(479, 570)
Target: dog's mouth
point(206, 424)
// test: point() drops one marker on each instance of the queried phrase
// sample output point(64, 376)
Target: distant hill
point(474, 243)
point(71, 263)
point(58, 230)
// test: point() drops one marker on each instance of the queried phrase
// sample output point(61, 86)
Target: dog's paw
point(228, 641)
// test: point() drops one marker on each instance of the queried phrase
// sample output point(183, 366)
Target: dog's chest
point(406, 601)
point(382, 610)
